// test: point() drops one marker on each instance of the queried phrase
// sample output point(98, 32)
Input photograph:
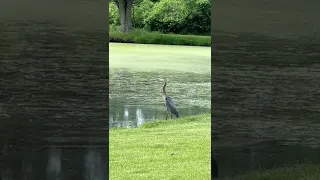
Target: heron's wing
point(170, 104)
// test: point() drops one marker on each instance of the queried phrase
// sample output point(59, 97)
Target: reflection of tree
point(6, 174)
point(95, 168)
point(54, 164)
point(139, 117)
point(115, 111)
point(127, 116)
point(19, 156)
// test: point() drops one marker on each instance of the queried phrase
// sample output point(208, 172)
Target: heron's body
point(169, 103)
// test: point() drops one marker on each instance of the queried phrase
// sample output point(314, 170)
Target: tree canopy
point(167, 16)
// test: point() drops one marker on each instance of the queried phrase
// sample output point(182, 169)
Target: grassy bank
point(298, 172)
point(143, 37)
point(172, 149)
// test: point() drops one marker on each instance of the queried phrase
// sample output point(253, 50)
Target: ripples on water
point(136, 96)
point(53, 91)
point(134, 116)
point(265, 90)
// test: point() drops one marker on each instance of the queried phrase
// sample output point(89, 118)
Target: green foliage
point(198, 20)
point(180, 16)
point(141, 11)
point(114, 16)
point(144, 37)
point(169, 16)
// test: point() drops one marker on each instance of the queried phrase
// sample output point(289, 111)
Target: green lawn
point(143, 57)
point(143, 37)
point(172, 149)
point(298, 172)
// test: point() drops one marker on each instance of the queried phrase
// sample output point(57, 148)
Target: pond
point(53, 121)
point(136, 81)
point(265, 103)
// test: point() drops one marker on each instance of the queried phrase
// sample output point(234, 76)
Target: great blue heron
point(171, 107)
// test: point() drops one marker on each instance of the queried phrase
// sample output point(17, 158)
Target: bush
point(180, 16)
point(198, 20)
point(114, 16)
point(140, 12)
point(169, 16)
point(144, 37)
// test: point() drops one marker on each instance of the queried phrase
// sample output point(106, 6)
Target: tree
point(125, 11)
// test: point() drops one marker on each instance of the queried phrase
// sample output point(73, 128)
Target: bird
point(169, 103)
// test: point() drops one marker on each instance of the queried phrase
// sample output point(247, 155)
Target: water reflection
point(126, 114)
point(54, 164)
point(139, 117)
point(6, 174)
point(134, 116)
point(136, 96)
point(53, 91)
point(265, 102)
point(95, 167)
point(264, 155)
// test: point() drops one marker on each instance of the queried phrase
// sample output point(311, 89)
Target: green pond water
point(135, 89)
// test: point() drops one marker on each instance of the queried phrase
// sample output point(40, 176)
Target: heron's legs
point(171, 115)
point(166, 114)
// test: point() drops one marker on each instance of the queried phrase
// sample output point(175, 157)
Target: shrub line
point(143, 37)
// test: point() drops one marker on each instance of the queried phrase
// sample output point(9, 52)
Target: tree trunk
point(129, 14)
point(125, 10)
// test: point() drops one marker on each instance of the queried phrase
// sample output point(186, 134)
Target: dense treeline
point(168, 16)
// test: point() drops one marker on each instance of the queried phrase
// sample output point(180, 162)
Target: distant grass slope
point(172, 149)
point(142, 57)
point(298, 172)
point(143, 37)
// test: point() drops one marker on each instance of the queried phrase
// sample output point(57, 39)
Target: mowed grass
point(143, 37)
point(143, 57)
point(167, 149)
point(298, 172)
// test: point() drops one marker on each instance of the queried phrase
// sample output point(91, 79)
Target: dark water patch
point(53, 89)
point(264, 155)
point(262, 50)
point(265, 90)
point(54, 163)
point(285, 19)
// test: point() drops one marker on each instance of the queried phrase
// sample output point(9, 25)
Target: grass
point(144, 37)
point(172, 149)
point(298, 172)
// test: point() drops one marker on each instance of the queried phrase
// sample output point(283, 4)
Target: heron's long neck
point(164, 94)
